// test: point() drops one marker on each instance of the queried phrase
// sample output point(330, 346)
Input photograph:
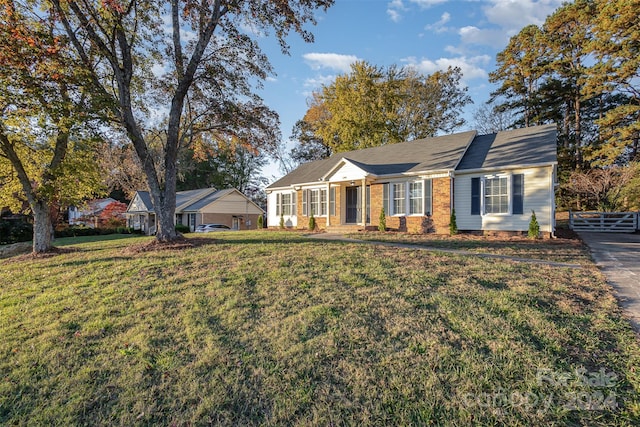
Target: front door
point(354, 203)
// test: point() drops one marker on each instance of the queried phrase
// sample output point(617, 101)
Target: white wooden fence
point(609, 222)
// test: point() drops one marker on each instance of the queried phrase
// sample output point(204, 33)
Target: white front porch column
point(364, 202)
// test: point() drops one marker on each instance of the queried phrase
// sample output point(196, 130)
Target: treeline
point(580, 70)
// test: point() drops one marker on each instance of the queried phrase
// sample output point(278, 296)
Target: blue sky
point(426, 34)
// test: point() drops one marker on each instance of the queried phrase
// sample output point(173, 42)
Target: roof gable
point(141, 202)
point(535, 145)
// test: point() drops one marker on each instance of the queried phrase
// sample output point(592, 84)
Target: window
point(496, 195)
point(285, 204)
point(315, 202)
point(399, 199)
point(314, 196)
point(415, 197)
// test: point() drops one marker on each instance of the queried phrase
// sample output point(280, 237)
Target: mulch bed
point(178, 244)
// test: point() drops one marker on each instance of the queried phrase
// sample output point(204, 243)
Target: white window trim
point(321, 206)
point(509, 194)
point(392, 197)
point(422, 196)
point(280, 199)
point(407, 198)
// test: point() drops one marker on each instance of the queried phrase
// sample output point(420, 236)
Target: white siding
point(273, 220)
point(538, 196)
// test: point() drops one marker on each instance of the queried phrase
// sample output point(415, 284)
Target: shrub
point(312, 223)
point(382, 224)
point(281, 222)
point(534, 227)
point(453, 226)
point(181, 228)
point(260, 222)
point(15, 231)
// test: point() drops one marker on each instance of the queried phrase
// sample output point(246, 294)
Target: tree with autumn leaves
point(163, 74)
point(372, 106)
point(46, 136)
point(194, 62)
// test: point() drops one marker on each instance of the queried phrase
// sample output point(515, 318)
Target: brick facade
point(437, 223)
point(441, 201)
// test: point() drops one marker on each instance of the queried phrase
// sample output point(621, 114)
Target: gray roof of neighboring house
point(190, 200)
point(439, 153)
point(461, 151)
point(145, 197)
point(520, 147)
point(206, 200)
point(186, 198)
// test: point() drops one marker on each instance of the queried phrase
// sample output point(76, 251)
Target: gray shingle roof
point(206, 200)
point(461, 151)
point(520, 147)
point(440, 153)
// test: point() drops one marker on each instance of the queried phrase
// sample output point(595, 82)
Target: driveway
point(618, 255)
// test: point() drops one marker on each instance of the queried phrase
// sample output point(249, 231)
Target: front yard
point(270, 328)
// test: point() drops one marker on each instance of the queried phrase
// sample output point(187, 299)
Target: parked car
point(207, 228)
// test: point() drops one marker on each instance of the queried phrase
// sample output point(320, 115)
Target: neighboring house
point(88, 214)
point(493, 182)
point(195, 207)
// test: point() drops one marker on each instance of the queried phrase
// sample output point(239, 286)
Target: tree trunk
point(41, 227)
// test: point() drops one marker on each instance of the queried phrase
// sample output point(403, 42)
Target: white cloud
point(394, 9)
point(472, 67)
point(334, 61)
point(439, 27)
point(504, 19)
point(496, 38)
point(319, 81)
point(514, 15)
point(427, 3)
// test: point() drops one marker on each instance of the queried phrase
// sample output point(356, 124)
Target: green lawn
point(270, 328)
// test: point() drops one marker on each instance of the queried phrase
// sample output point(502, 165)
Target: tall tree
point(373, 106)
point(46, 149)
point(616, 45)
point(212, 61)
point(520, 70)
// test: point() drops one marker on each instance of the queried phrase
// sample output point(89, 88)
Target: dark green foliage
point(534, 227)
point(260, 221)
point(312, 223)
point(453, 226)
point(282, 222)
point(181, 228)
point(382, 224)
point(15, 231)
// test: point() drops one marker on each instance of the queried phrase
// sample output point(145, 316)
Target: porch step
point(345, 228)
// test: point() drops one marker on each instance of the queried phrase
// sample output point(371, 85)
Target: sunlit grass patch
point(272, 328)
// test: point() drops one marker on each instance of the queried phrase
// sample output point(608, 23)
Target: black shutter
point(475, 196)
point(518, 194)
point(385, 199)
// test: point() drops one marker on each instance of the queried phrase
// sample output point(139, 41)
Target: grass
point(270, 328)
point(556, 250)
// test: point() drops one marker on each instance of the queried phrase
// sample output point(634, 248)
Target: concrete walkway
point(341, 238)
point(618, 256)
